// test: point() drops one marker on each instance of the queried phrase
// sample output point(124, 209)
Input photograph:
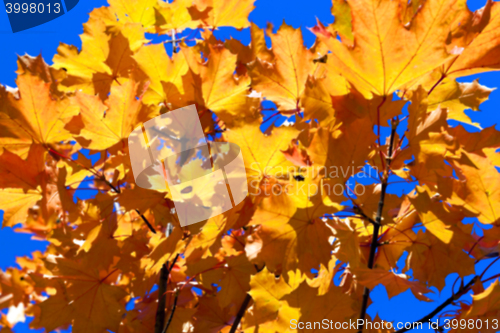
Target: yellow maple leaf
point(95, 69)
point(107, 124)
point(479, 192)
point(284, 80)
point(164, 73)
point(226, 12)
point(386, 54)
point(395, 284)
point(85, 297)
point(33, 115)
point(457, 97)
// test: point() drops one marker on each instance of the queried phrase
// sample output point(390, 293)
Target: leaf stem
point(443, 76)
point(378, 132)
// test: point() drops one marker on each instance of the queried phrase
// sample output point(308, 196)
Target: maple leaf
point(236, 277)
point(210, 317)
point(32, 115)
point(478, 194)
point(319, 98)
point(480, 51)
point(343, 20)
point(486, 301)
point(293, 233)
point(429, 141)
point(134, 11)
point(347, 242)
point(226, 13)
point(223, 93)
point(340, 152)
point(85, 297)
point(175, 16)
point(15, 290)
point(37, 66)
point(109, 123)
point(426, 256)
point(262, 153)
point(284, 80)
point(21, 184)
point(387, 55)
point(153, 203)
point(279, 254)
point(95, 69)
point(334, 305)
point(165, 73)
point(267, 291)
point(398, 236)
point(457, 97)
point(395, 284)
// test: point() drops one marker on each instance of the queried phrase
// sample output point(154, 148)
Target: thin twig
point(91, 170)
point(450, 300)
point(491, 278)
point(489, 266)
point(376, 226)
point(146, 221)
point(173, 311)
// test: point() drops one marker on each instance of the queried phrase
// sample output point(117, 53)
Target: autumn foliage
point(376, 92)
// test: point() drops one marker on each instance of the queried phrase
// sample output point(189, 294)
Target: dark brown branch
point(240, 313)
point(450, 300)
point(244, 305)
point(360, 212)
point(162, 297)
point(117, 190)
point(146, 221)
point(377, 224)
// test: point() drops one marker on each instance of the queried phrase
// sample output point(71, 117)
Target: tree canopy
point(373, 103)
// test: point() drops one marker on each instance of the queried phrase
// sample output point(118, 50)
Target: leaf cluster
point(296, 247)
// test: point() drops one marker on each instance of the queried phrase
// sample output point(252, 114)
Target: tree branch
point(162, 296)
point(360, 212)
point(243, 308)
point(376, 226)
point(91, 170)
point(146, 221)
point(240, 313)
point(450, 300)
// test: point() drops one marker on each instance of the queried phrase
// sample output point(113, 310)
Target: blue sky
point(67, 28)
